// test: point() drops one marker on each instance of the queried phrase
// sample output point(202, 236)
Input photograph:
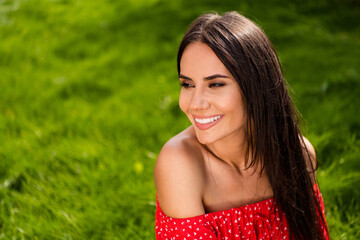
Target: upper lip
point(205, 117)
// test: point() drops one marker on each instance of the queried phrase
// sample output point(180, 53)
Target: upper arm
point(179, 181)
point(310, 157)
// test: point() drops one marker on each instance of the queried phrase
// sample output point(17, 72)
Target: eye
point(186, 85)
point(216, 84)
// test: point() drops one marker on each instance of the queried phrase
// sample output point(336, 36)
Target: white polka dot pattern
point(262, 221)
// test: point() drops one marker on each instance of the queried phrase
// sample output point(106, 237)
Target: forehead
point(199, 58)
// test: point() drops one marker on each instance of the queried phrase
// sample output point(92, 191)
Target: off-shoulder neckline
point(222, 212)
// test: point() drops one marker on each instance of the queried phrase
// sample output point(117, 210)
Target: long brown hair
point(272, 120)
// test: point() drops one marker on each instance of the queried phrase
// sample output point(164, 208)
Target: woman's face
point(210, 96)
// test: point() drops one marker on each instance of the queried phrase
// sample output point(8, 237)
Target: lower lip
point(207, 125)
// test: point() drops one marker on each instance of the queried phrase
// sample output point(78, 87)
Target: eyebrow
point(211, 77)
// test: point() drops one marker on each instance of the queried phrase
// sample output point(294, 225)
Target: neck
point(232, 152)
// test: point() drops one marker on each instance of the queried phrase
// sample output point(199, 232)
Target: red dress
point(254, 221)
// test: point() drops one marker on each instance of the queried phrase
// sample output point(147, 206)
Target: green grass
point(89, 95)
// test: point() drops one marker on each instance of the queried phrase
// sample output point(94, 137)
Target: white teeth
point(207, 120)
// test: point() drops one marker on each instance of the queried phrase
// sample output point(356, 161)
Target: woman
point(242, 170)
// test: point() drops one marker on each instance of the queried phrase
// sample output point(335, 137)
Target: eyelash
point(211, 85)
point(216, 84)
point(185, 85)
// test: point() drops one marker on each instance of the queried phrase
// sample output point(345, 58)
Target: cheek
point(183, 102)
point(233, 104)
point(239, 110)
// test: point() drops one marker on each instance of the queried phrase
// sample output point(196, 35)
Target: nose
point(199, 100)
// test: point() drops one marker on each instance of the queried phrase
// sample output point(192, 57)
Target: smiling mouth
point(207, 120)
point(206, 123)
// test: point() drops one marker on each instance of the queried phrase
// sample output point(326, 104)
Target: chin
point(204, 138)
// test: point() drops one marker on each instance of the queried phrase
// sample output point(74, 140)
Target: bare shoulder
point(310, 155)
point(179, 176)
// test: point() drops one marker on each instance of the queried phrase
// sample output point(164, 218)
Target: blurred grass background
point(89, 90)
